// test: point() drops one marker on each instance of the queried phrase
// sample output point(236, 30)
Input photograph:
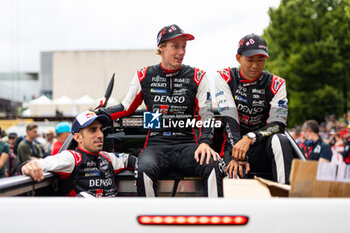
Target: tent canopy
point(42, 100)
point(85, 99)
point(63, 100)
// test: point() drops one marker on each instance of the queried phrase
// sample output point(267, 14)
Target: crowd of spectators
point(16, 149)
point(333, 132)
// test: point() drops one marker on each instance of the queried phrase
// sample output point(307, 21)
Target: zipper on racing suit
point(171, 84)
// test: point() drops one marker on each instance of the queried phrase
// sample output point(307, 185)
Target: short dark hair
point(313, 125)
point(31, 126)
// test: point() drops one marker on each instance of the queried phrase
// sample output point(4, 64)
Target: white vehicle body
point(107, 215)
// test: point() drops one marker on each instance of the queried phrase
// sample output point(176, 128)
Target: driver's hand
point(240, 149)
point(33, 170)
point(103, 111)
point(205, 151)
point(237, 167)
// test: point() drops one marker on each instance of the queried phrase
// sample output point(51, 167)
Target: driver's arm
point(204, 151)
point(227, 109)
point(204, 110)
point(277, 120)
point(62, 164)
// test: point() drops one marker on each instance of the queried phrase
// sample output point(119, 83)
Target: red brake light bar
point(192, 220)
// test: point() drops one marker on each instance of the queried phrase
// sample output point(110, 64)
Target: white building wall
point(78, 73)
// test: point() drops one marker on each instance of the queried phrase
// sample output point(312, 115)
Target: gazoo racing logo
point(153, 120)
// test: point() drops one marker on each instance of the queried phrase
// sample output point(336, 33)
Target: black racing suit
point(258, 106)
point(179, 96)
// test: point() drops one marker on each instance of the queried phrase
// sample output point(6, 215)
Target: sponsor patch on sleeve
point(276, 84)
point(198, 75)
point(283, 104)
point(225, 74)
point(142, 73)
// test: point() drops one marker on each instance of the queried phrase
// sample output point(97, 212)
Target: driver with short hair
point(87, 169)
point(253, 106)
point(174, 93)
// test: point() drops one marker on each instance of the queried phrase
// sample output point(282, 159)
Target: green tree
point(309, 46)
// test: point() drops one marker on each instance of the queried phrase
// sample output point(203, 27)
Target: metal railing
point(25, 185)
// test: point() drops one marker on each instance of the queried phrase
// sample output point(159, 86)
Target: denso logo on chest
point(100, 182)
point(169, 99)
point(246, 109)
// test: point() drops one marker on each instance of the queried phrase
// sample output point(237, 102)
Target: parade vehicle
point(37, 207)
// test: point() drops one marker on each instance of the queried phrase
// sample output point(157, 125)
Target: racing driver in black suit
point(253, 106)
point(87, 170)
point(173, 94)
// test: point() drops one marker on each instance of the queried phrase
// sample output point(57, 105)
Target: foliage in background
point(309, 46)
